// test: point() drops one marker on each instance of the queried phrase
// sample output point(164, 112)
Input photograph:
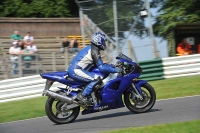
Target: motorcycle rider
point(90, 55)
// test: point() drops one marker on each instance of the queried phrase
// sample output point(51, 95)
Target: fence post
point(66, 58)
point(119, 50)
point(82, 26)
point(37, 62)
point(20, 65)
point(5, 64)
point(155, 50)
point(131, 51)
point(53, 61)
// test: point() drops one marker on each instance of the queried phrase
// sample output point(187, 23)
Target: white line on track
point(156, 100)
point(177, 98)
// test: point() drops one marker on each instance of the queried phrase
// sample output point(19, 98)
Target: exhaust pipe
point(59, 97)
point(62, 98)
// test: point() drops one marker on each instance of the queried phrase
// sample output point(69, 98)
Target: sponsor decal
point(101, 108)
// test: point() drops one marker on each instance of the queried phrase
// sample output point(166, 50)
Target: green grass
point(177, 87)
point(181, 127)
point(24, 109)
point(30, 108)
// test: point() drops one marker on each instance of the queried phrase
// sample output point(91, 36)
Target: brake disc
point(144, 100)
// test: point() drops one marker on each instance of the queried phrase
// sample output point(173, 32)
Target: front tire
point(141, 106)
point(54, 113)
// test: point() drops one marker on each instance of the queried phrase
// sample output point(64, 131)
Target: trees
point(38, 8)
point(173, 12)
point(101, 13)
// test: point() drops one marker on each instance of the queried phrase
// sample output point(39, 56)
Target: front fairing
point(125, 82)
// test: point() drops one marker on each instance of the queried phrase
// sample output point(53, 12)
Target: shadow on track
point(112, 115)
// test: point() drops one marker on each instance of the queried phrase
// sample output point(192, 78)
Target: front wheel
point(58, 115)
point(136, 105)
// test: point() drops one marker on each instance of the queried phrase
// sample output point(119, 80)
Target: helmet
point(98, 39)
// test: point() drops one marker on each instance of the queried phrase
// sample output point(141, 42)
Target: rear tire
point(149, 99)
point(53, 113)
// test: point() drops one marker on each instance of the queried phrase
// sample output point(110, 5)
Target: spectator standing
point(74, 44)
point(14, 51)
point(21, 45)
point(28, 39)
point(16, 36)
point(184, 48)
point(65, 44)
point(26, 52)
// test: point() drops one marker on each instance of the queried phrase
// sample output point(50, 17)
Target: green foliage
point(38, 8)
point(174, 12)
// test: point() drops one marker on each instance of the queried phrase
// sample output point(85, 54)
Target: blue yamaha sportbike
point(62, 106)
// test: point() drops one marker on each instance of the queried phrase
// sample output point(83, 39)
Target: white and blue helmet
point(98, 39)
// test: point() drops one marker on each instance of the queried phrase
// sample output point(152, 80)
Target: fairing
point(112, 94)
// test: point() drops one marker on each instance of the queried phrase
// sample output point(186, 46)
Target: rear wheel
point(137, 105)
point(60, 115)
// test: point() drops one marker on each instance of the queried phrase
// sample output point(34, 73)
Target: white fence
point(22, 88)
point(181, 66)
point(32, 86)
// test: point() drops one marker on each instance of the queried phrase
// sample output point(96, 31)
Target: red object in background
point(182, 49)
point(198, 49)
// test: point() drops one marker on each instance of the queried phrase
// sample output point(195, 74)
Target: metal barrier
point(170, 67)
point(21, 67)
point(41, 62)
point(32, 86)
point(152, 69)
point(23, 88)
point(181, 66)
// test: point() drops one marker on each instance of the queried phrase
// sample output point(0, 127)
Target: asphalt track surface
point(164, 111)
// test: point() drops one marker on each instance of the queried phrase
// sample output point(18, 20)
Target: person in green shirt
point(27, 56)
point(16, 36)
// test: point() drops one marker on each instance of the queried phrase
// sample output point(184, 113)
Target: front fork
point(138, 95)
point(137, 88)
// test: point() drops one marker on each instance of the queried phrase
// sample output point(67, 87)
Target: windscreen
point(122, 56)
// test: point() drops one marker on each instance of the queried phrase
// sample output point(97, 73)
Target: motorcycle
point(62, 106)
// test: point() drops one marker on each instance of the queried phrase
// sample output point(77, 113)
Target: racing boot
point(82, 99)
point(92, 86)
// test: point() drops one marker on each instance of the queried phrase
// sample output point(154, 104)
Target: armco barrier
point(152, 70)
point(22, 88)
point(32, 86)
point(170, 67)
point(181, 66)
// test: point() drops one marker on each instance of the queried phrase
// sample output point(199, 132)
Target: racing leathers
point(78, 68)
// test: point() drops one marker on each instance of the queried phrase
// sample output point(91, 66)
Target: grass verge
point(30, 108)
point(24, 109)
point(177, 87)
point(181, 127)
